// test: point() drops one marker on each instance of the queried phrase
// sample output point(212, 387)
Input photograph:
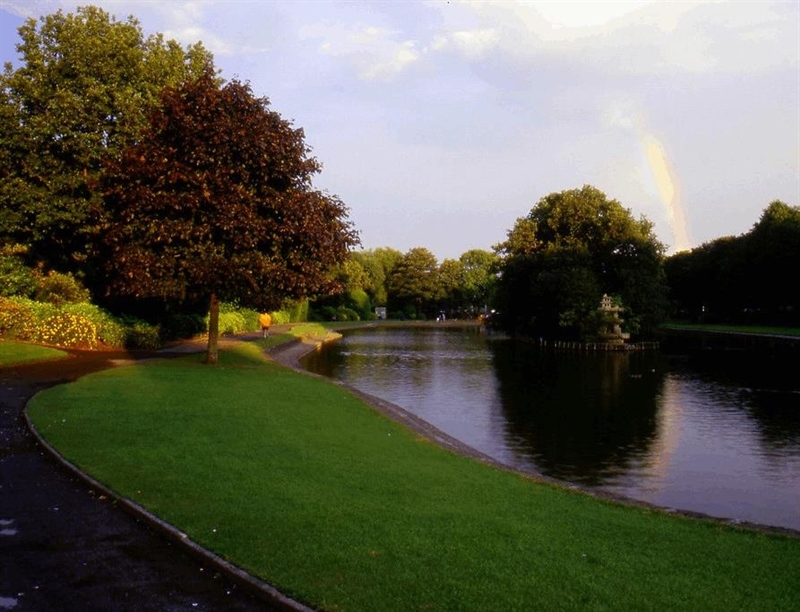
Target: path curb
point(258, 588)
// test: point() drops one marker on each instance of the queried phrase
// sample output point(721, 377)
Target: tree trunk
point(212, 354)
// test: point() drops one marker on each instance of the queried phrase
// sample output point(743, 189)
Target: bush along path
point(66, 546)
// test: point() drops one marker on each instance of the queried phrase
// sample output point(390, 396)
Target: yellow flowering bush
point(110, 330)
point(17, 321)
point(68, 330)
point(81, 325)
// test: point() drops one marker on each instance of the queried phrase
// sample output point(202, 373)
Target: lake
point(717, 434)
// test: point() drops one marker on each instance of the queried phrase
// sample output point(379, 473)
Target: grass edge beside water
point(300, 483)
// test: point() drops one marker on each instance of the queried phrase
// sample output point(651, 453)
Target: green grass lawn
point(15, 353)
point(297, 481)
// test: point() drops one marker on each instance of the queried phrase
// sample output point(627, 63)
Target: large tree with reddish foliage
point(215, 202)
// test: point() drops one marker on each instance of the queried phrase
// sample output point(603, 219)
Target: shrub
point(298, 311)
point(40, 310)
point(73, 325)
point(17, 320)
point(281, 317)
point(325, 313)
point(141, 334)
point(346, 314)
point(250, 317)
point(59, 289)
point(231, 323)
point(110, 330)
point(68, 330)
point(15, 277)
point(358, 300)
point(179, 326)
point(235, 320)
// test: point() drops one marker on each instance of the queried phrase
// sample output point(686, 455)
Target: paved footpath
point(64, 546)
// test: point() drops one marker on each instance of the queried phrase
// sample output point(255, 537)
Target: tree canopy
point(742, 279)
point(377, 264)
point(82, 93)
point(413, 283)
point(573, 247)
point(215, 201)
point(478, 278)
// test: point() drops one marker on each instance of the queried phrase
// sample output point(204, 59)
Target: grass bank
point(297, 481)
point(15, 353)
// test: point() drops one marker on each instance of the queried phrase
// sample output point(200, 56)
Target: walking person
point(265, 321)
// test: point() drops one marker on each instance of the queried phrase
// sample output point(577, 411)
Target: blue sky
point(440, 123)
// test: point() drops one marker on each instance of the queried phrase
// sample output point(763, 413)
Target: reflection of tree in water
point(415, 366)
point(777, 414)
point(581, 417)
point(768, 388)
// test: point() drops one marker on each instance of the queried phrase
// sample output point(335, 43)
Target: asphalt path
point(67, 546)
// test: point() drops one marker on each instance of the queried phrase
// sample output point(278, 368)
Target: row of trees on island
point(132, 175)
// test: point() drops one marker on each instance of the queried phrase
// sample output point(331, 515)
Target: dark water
point(720, 436)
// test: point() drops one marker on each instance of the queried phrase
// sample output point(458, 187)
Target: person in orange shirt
point(265, 321)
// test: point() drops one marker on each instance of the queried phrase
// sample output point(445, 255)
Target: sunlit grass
point(297, 481)
point(15, 353)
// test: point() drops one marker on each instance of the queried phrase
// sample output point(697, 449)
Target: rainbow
point(668, 190)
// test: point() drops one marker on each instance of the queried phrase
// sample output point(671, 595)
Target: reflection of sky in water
point(709, 456)
point(634, 425)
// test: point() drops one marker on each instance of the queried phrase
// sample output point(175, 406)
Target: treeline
point(547, 279)
point(132, 176)
point(749, 279)
point(411, 285)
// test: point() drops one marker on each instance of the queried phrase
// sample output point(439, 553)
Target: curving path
point(65, 546)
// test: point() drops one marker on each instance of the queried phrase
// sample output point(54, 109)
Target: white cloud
point(475, 43)
point(485, 107)
point(376, 53)
point(193, 34)
point(631, 37)
point(584, 14)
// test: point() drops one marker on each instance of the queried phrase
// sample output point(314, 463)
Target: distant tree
point(215, 202)
point(413, 283)
point(773, 250)
point(353, 297)
point(708, 283)
point(377, 264)
point(741, 279)
point(478, 278)
point(352, 274)
point(451, 276)
point(573, 247)
point(82, 93)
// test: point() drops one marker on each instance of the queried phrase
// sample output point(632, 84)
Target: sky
point(440, 123)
